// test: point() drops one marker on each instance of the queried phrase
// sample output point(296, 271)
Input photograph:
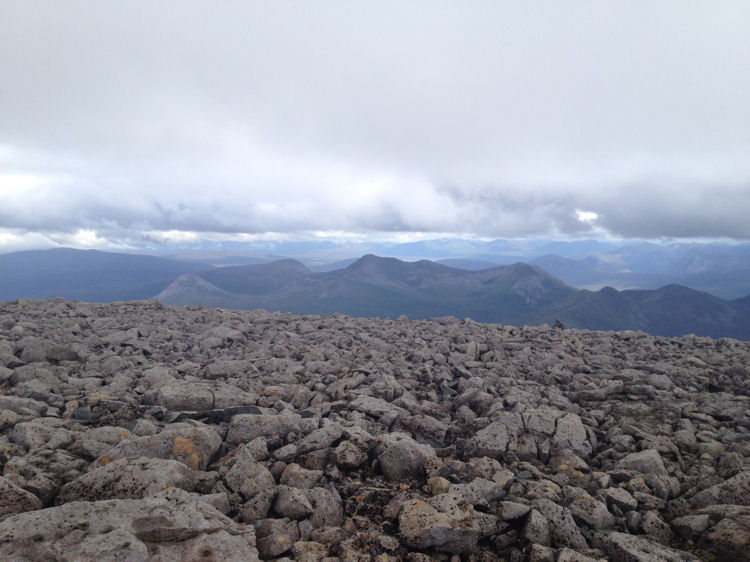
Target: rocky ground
point(135, 431)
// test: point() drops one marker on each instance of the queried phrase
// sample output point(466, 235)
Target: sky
point(150, 124)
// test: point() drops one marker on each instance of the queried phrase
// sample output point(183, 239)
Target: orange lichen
point(184, 450)
point(104, 460)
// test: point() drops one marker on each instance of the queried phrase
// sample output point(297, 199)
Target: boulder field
point(136, 431)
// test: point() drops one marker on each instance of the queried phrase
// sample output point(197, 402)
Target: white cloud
point(488, 119)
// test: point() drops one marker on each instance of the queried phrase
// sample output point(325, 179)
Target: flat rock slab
point(174, 525)
point(128, 478)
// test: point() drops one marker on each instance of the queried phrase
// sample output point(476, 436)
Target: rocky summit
point(136, 431)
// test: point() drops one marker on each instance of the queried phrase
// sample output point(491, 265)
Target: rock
point(633, 548)
point(15, 500)
point(587, 510)
point(492, 441)
point(128, 478)
point(309, 551)
point(171, 526)
point(655, 527)
point(444, 522)
point(334, 433)
point(297, 477)
point(479, 492)
point(645, 462)
point(320, 438)
point(348, 455)
point(253, 482)
point(690, 527)
point(327, 509)
point(563, 530)
point(512, 510)
point(42, 433)
point(246, 427)
point(275, 537)
point(292, 503)
point(621, 498)
point(736, 490)
point(377, 407)
point(401, 457)
point(571, 434)
point(536, 529)
point(183, 395)
point(192, 443)
point(728, 537)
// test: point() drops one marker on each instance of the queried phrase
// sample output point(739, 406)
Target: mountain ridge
point(516, 294)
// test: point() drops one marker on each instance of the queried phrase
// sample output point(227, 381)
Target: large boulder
point(171, 526)
point(401, 457)
point(570, 433)
point(622, 547)
point(192, 443)
point(246, 427)
point(128, 478)
point(16, 500)
point(736, 491)
point(253, 482)
point(444, 522)
point(646, 462)
point(494, 440)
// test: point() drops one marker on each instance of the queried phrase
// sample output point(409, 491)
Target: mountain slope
point(258, 279)
point(514, 294)
point(375, 286)
point(672, 310)
point(87, 275)
point(721, 270)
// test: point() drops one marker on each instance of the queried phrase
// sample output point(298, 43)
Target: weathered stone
point(620, 497)
point(171, 526)
point(534, 427)
point(192, 443)
point(587, 510)
point(645, 462)
point(562, 527)
point(736, 490)
point(253, 482)
point(401, 457)
point(633, 548)
point(128, 478)
point(492, 441)
point(327, 508)
point(444, 522)
point(275, 537)
point(292, 503)
point(348, 455)
point(16, 500)
point(570, 433)
point(320, 438)
point(297, 477)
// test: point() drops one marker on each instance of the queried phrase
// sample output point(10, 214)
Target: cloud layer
point(477, 119)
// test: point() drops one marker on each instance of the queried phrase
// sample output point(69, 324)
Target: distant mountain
point(375, 286)
point(387, 287)
point(332, 266)
point(258, 279)
point(87, 275)
point(721, 270)
point(471, 265)
point(672, 310)
point(516, 294)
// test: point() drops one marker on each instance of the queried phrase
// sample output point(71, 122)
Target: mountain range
point(721, 269)
point(514, 294)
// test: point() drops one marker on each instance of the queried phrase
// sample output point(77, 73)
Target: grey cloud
point(484, 118)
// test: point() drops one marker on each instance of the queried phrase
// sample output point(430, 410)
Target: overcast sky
point(132, 124)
